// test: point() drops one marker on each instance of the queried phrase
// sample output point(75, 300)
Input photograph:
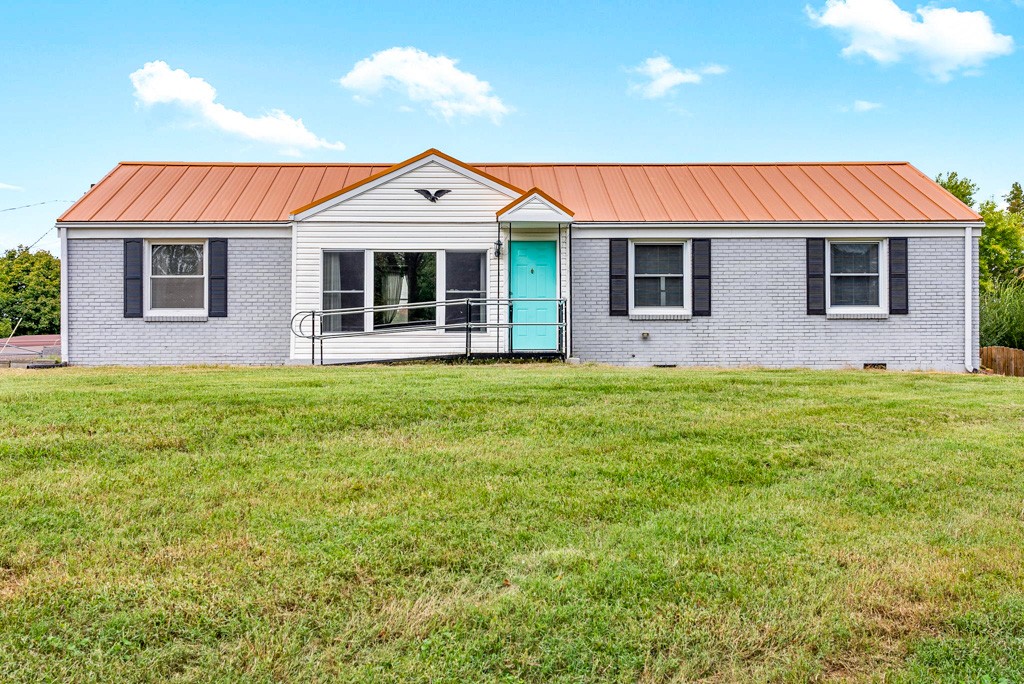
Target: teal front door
point(534, 275)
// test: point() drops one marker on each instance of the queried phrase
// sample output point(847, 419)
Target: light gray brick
point(759, 313)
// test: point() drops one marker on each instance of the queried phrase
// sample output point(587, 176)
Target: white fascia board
point(86, 231)
point(776, 230)
point(430, 159)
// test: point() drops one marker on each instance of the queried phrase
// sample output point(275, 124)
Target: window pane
point(457, 314)
point(343, 270)
point(855, 257)
point(673, 292)
point(658, 259)
point(647, 292)
point(177, 293)
point(464, 271)
point(404, 278)
point(338, 322)
point(854, 290)
point(176, 260)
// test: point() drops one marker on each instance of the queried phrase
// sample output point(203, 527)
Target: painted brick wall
point(255, 331)
point(759, 313)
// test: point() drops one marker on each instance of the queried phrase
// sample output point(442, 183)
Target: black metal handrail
point(304, 324)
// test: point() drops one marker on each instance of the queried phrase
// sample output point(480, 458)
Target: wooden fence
point(1003, 360)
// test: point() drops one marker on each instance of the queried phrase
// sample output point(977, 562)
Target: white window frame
point(147, 267)
point(883, 278)
point(687, 307)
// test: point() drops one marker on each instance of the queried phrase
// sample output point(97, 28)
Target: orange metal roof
point(733, 193)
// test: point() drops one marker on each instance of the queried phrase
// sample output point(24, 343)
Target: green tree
point(5, 329)
point(1001, 248)
point(961, 188)
point(1015, 199)
point(30, 290)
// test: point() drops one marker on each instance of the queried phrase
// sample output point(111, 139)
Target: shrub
point(1002, 315)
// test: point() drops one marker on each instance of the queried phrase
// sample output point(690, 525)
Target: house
point(823, 265)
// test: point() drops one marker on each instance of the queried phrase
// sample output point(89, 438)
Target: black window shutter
point(133, 278)
point(218, 263)
point(618, 272)
point(815, 276)
point(702, 277)
point(898, 297)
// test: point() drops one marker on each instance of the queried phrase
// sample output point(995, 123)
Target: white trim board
point(641, 231)
point(172, 231)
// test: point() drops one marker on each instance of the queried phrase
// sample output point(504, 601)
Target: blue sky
point(937, 84)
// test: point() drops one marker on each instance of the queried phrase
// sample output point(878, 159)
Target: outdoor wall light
point(645, 335)
point(497, 248)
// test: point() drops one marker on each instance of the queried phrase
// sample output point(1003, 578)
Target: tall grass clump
point(1002, 315)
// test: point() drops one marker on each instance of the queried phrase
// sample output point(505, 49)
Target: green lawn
point(510, 523)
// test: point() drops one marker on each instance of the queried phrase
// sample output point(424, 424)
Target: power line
point(37, 204)
point(40, 239)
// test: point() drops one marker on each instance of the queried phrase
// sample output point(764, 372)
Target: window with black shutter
point(218, 296)
point(899, 304)
point(133, 266)
point(618, 277)
point(701, 277)
point(815, 276)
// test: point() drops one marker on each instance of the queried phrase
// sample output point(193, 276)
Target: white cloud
point(865, 105)
point(434, 80)
point(944, 39)
point(157, 83)
point(5, 186)
point(662, 76)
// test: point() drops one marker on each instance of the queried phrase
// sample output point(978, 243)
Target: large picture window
point(400, 280)
point(855, 275)
point(343, 289)
point(465, 278)
point(659, 276)
point(177, 277)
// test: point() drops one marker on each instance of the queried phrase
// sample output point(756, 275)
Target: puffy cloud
point(944, 40)
point(157, 83)
point(865, 106)
point(662, 76)
point(434, 80)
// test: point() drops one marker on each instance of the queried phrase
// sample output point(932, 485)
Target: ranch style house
point(820, 265)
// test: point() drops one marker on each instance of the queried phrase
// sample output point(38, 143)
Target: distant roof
point(733, 193)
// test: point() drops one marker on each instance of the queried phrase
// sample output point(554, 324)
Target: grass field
point(510, 523)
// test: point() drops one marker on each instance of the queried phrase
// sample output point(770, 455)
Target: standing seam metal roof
point(732, 193)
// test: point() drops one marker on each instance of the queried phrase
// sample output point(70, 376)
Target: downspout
point(497, 309)
point(968, 299)
point(65, 353)
point(568, 303)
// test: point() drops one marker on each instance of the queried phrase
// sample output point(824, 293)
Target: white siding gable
point(473, 199)
point(535, 209)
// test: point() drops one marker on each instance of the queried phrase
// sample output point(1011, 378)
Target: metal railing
point(310, 324)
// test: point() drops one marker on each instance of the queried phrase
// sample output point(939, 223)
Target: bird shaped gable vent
point(433, 196)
